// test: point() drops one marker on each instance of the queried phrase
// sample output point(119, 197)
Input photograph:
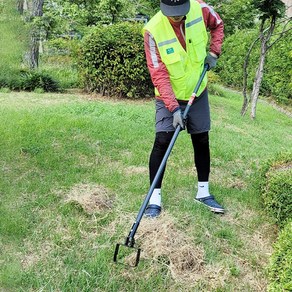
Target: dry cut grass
point(92, 198)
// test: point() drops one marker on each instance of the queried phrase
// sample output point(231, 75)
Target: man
point(175, 41)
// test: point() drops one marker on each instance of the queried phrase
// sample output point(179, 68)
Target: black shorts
point(198, 118)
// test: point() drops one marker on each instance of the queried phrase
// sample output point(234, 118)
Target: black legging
point(201, 155)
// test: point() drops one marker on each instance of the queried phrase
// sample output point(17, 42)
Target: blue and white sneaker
point(211, 203)
point(152, 211)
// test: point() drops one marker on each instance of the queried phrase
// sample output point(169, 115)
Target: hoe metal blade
point(123, 255)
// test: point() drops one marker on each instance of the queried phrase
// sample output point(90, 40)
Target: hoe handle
point(130, 241)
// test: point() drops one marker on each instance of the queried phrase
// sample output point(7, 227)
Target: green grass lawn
point(74, 173)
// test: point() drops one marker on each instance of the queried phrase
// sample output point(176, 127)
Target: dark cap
point(175, 7)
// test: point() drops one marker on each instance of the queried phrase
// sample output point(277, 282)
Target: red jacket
point(157, 69)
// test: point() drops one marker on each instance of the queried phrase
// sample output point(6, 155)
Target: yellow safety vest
point(184, 66)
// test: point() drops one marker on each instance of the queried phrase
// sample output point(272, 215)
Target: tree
point(87, 9)
point(37, 12)
point(270, 12)
point(32, 15)
point(64, 18)
point(236, 14)
point(111, 9)
point(20, 4)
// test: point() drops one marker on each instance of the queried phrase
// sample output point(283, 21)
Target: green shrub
point(280, 267)
point(112, 62)
point(276, 187)
point(277, 80)
point(32, 80)
point(10, 79)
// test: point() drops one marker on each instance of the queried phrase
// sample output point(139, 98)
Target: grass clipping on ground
point(162, 242)
point(92, 198)
point(169, 249)
point(171, 252)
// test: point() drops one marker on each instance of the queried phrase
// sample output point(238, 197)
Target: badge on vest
point(169, 51)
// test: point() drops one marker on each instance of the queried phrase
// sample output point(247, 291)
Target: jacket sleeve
point(214, 24)
point(159, 73)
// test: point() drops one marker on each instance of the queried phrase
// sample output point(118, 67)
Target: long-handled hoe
point(130, 240)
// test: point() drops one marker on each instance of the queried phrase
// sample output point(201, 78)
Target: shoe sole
point(212, 209)
point(151, 217)
point(154, 212)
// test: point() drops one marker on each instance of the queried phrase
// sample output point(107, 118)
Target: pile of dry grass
point(164, 244)
point(92, 198)
point(169, 250)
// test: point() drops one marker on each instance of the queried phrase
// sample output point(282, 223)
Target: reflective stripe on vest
point(184, 67)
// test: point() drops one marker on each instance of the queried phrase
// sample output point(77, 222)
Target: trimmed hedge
point(276, 188)
point(275, 184)
point(111, 61)
point(280, 267)
point(277, 80)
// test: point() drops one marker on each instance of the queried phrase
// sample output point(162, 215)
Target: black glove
point(177, 119)
point(211, 60)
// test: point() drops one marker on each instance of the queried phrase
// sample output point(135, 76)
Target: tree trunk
point(34, 50)
point(38, 7)
point(37, 11)
point(20, 4)
point(258, 79)
point(245, 77)
point(264, 38)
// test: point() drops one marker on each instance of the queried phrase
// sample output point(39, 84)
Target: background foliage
point(277, 80)
point(280, 272)
point(236, 14)
point(13, 44)
point(278, 74)
point(112, 62)
point(65, 23)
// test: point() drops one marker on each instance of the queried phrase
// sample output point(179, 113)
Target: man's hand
point(211, 60)
point(177, 119)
